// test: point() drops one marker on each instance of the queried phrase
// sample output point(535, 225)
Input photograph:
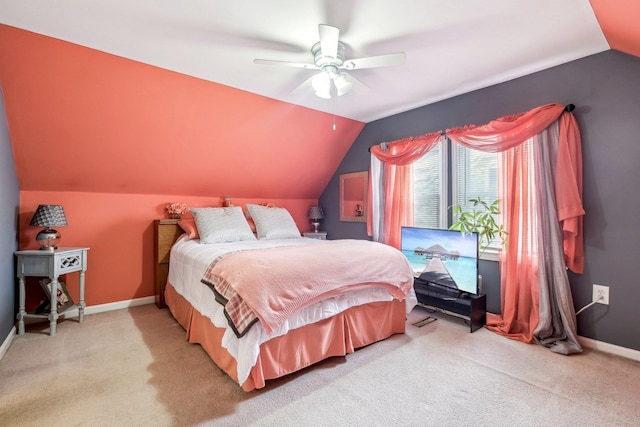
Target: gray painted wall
point(606, 91)
point(9, 203)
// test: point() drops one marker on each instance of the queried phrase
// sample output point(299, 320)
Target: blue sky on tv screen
point(413, 237)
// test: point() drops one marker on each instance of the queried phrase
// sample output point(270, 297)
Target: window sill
point(490, 254)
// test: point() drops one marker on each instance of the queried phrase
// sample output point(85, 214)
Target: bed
point(190, 275)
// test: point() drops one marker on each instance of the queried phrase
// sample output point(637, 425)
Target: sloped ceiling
point(163, 97)
point(452, 47)
point(619, 22)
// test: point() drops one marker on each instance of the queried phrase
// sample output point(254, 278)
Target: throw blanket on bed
point(270, 285)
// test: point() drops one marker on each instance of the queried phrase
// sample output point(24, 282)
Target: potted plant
point(482, 220)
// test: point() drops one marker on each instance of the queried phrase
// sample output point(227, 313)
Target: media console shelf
point(472, 308)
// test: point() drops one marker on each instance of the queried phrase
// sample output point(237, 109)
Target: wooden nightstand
point(320, 235)
point(50, 264)
point(166, 233)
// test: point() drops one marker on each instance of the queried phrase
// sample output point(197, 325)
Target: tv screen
point(443, 257)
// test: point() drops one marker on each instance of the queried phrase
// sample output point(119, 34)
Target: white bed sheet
point(190, 260)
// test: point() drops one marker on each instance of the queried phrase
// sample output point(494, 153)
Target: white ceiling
point(452, 46)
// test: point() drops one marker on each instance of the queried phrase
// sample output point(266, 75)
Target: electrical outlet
point(601, 291)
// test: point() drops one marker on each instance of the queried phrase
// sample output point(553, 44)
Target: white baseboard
point(7, 342)
point(609, 348)
point(111, 306)
point(88, 310)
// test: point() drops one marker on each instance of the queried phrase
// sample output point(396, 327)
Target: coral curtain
point(391, 186)
point(541, 193)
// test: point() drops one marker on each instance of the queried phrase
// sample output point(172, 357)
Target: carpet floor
point(133, 367)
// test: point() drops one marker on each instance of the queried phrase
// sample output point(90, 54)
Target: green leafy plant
point(482, 220)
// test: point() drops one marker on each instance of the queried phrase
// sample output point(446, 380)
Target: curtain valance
point(506, 132)
point(495, 136)
point(406, 151)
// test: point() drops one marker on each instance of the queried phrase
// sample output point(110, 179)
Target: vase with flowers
point(175, 210)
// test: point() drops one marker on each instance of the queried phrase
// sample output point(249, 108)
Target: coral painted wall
point(114, 140)
point(119, 230)
point(111, 125)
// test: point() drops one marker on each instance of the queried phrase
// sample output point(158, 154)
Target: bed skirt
point(336, 336)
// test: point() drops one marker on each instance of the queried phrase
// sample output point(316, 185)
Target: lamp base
point(315, 224)
point(48, 239)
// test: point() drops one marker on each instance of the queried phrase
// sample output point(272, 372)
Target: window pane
point(427, 180)
point(475, 175)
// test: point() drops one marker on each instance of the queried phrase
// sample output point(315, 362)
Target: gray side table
point(52, 265)
point(320, 235)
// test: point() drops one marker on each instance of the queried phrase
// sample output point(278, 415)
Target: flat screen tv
point(446, 258)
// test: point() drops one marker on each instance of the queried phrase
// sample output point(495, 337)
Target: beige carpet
point(133, 368)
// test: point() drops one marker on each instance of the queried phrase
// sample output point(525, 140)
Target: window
point(473, 174)
point(428, 188)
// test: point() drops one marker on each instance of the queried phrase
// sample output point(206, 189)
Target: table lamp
point(315, 215)
point(48, 216)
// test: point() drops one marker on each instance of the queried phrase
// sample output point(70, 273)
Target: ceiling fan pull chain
point(334, 112)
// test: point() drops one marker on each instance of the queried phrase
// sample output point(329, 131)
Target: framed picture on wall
point(63, 299)
point(353, 196)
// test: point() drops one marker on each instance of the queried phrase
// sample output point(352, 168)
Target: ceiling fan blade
point(286, 64)
point(329, 40)
point(375, 61)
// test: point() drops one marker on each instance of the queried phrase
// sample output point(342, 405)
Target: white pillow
point(216, 225)
point(273, 223)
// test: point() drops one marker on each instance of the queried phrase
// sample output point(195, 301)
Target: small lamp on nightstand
point(48, 216)
point(315, 215)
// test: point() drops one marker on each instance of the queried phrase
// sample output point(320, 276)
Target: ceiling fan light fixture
point(321, 84)
point(329, 57)
point(343, 85)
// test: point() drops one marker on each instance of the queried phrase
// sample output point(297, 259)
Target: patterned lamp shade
point(48, 216)
point(315, 215)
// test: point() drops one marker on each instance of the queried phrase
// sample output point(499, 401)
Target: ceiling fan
point(329, 58)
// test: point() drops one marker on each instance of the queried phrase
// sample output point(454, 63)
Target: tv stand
point(472, 308)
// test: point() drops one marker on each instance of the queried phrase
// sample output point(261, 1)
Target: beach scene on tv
point(444, 257)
